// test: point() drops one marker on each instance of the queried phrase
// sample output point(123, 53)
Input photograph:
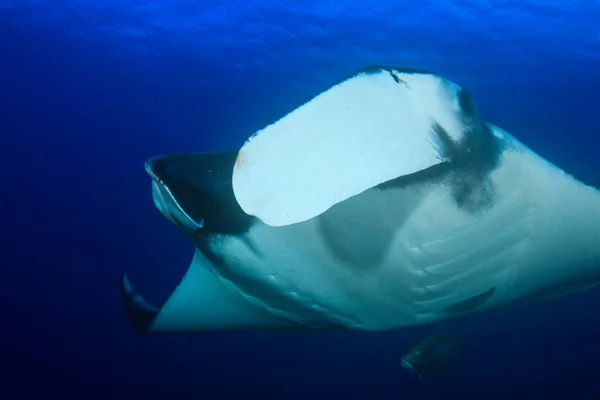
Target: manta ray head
point(194, 193)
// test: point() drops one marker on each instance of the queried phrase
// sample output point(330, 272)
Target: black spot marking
point(378, 69)
point(469, 304)
point(397, 79)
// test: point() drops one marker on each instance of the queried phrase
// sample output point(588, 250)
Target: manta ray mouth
point(174, 194)
point(194, 192)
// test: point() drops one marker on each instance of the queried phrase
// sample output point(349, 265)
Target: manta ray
point(383, 202)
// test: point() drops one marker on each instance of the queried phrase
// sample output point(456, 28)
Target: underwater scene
point(210, 199)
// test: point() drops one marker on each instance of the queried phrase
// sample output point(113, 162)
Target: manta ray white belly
point(453, 238)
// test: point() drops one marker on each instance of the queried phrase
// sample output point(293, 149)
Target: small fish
point(431, 354)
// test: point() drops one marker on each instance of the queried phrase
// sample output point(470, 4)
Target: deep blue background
point(90, 89)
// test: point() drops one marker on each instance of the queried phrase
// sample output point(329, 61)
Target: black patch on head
point(445, 145)
point(466, 164)
point(470, 304)
point(467, 104)
point(471, 162)
point(464, 169)
point(201, 185)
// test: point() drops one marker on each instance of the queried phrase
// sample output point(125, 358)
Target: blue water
point(90, 89)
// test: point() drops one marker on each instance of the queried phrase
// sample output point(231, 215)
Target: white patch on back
point(364, 131)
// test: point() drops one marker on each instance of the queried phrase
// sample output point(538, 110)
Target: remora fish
point(384, 202)
point(431, 354)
